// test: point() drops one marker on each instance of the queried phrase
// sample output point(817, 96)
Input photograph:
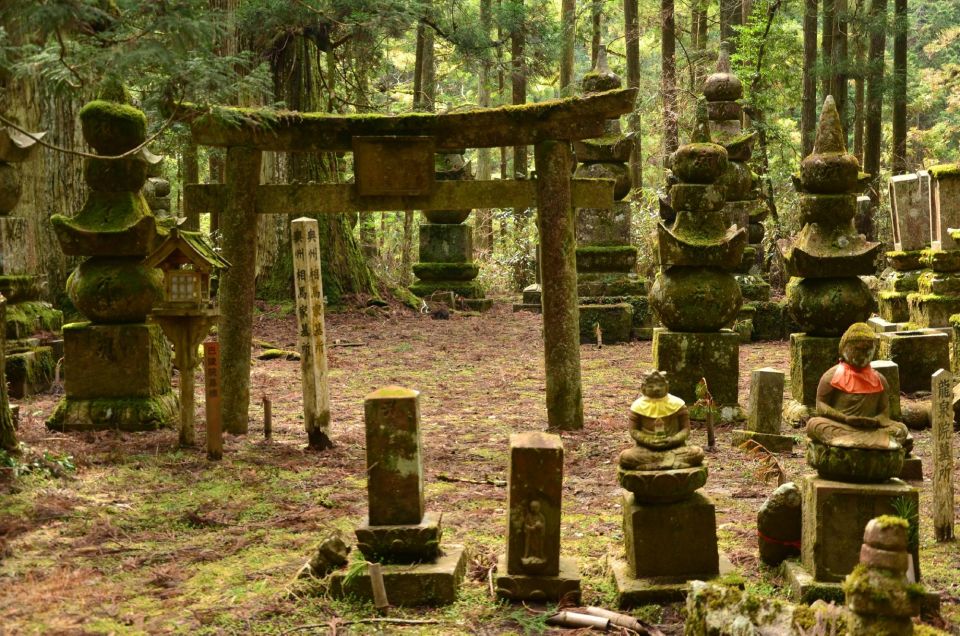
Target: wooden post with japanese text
point(211, 383)
point(311, 331)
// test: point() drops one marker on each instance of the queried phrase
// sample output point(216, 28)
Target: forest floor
point(145, 537)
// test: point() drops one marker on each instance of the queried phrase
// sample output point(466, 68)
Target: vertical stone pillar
point(938, 289)
point(764, 412)
point(941, 413)
point(561, 321)
point(238, 227)
point(910, 222)
point(532, 567)
point(308, 280)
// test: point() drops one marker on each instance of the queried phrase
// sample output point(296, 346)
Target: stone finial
point(830, 137)
point(601, 78)
point(723, 60)
point(723, 85)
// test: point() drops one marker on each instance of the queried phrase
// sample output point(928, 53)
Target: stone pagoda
point(117, 365)
point(825, 295)
point(446, 245)
point(662, 510)
point(744, 207)
point(695, 294)
point(32, 325)
point(612, 295)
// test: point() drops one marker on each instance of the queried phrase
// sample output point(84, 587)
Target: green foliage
point(906, 508)
point(29, 461)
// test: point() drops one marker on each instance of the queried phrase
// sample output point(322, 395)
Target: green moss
point(112, 128)
point(890, 521)
point(945, 170)
point(274, 354)
point(28, 318)
point(446, 271)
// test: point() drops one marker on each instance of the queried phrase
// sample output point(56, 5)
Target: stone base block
point(615, 321)
point(912, 469)
point(771, 441)
point(525, 587)
point(402, 543)
point(753, 288)
point(687, 357)
point(618, 284)
point(478, 304)
point(691, 523)
point(642, 316)
point(30, 372)
point(27, 318)
point(810, 357)
point(534, 309)
point(918, 354)
point(635, 592)
point(117, 362)
point(532, 295)
point(433, 583)
point(446, 243)
point(834, 517)
point(769, 321)
point(466, 289)
point(893, 306)
point(932, 310)
point(662, 486)
point(123, 414)
point(606, 258)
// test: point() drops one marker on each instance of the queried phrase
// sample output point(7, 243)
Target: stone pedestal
point(918, 354)
point(938, 289)
point(666, 546)
point(687, 357)
point(410, 584)
point(116, 377)
point(615, 322)
point(565, 584)
point(810, 357)
point(834, 517)
point(531, 300)
point(897, 283)
point(764, 413)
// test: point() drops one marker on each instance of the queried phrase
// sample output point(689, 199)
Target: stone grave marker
point(312, 337)
point(910, 217)
point(532, 568)
point(942, 415)
point(400, 534)
point(764, 412)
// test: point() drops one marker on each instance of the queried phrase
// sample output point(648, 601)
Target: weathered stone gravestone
point(912, 466)
point(910, 222)
point(917, 353)
point(695, 295)
point(532, 568)
point(612, 295)
point(117, 366)
point(764, 413)
point(825, 295)
point(29, 367)
point(660, 475)
point(942, 415)
point(308, 281)
point(857, 450)
point(400, 534)
point(938, 290)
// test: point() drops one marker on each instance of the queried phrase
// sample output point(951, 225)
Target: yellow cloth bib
point(658, 407)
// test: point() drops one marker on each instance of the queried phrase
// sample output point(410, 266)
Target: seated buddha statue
point(660, 425)
point(853, 416)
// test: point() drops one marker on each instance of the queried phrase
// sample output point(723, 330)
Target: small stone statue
point(852, 435)
point(660, 425)
point(533, 527)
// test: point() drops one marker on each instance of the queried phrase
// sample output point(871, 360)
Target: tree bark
point(519, 96)
point(858, 99)
point(826, 46)
point(840, 63)
point(632, 31)
point(808, 113)
point(596, 32)
point(898, 160)
point(877, 20)
point(731, 15)
point(483, 218)
point(568, 21)
point(668, 76)
point(191, 174)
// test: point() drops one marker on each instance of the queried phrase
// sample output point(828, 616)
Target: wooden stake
point(380, 600)
point(267, 418)
point(942, 415)
point(211, 377)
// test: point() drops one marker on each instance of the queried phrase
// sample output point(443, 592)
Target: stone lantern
point(186, 310)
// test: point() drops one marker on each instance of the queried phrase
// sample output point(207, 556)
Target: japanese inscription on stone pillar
point(942, 415)
point(211, 383)
point(311, 339)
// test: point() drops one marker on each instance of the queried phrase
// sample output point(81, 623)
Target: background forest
point(895, 72)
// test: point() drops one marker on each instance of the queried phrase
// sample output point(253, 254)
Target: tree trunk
point(632, 30)
point(191, 174)
point(8, 434)
point(483, 218)
point(898, 160)
point(877, 19)
point(731, 15)
point(839, 84)
point(808, 113)
point(859, 48)
point(568, 20)
point(668, 77)
point(826, 46)
point(596, 31)
point(519, 96)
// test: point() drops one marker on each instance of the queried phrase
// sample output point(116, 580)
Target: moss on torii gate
point(549, 126)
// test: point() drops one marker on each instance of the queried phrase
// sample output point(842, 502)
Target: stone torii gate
point(394, 170)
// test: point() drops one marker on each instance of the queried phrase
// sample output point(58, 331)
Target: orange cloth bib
point(850, 379)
